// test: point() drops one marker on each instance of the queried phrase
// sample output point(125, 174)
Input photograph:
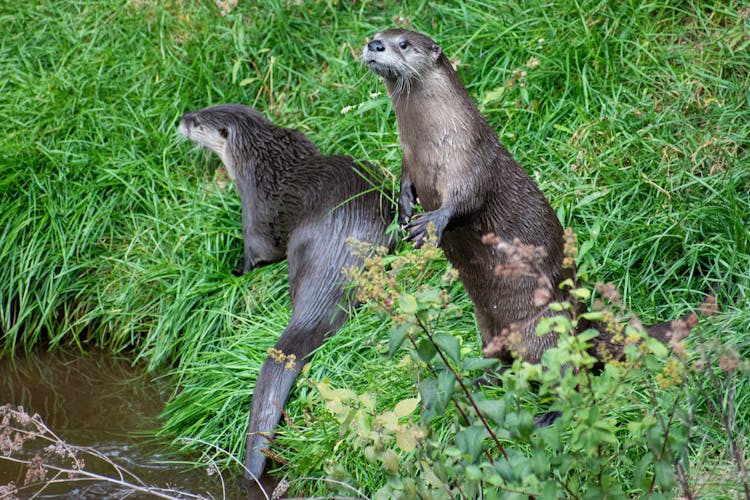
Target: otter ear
point(435, 50)
point(223, 132)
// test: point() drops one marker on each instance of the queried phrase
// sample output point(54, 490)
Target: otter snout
point(188, 121)
point(379, 60)
point(376, 46)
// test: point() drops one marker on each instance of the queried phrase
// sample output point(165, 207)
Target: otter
point(470, 187)
point(302, 205)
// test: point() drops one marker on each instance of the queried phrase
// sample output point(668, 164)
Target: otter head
point(402, 57)
point(218, 128)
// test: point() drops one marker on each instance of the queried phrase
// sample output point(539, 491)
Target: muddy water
point(99, 401)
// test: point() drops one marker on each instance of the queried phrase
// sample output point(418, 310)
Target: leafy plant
point(622, 428)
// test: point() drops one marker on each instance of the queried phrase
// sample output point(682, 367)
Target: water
point(101, 402)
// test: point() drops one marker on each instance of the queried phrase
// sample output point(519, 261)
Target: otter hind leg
point(318, 301)
point(272, 387)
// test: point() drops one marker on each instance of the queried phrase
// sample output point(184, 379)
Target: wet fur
point(303, 206)
point(469, 186)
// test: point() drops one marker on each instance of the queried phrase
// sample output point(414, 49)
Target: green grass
point(633, 118)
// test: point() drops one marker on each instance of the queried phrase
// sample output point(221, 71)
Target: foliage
point(623, 428)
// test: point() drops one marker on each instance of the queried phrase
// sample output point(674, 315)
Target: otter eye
point(223, 132)
point(403, 44)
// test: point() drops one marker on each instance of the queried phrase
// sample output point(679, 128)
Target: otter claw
point(404, 215)
point(403, 221)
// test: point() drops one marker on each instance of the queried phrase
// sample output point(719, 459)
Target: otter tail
point(271, 391)
point(665, 330)
point(677, 329)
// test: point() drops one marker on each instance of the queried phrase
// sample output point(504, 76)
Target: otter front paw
point(406, 199)
point(419, 227)
point(403, 218)
point(245, 265)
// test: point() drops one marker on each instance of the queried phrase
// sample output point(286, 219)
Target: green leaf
point(446, 383)
point(559, 306)
point(469, 441)
point(426, 350)
point(472, 364)
point(544, 326)
point(505, 470)
point(493, 409)
point(525, 424)
point(493, 95)
point(581, 293)
point(540, 463)
point(550, 491)
point(473, 473)
point(362, 423)
point(408, 303)
point(388, 420)
point(405, 407)
point(428, 393)
point(451, 451)
point(656, 347)
point(368, 401)
point(406, 439)
point(449, 345)
point(641, 469)
point(588, 334)
point(564, 464)
point(550, 436)
point(430, 297)
point(567, 283)
point(390, 460)
point(397, 337)
point(664, 474)
point(345, 395)
point(593, 315)
point(431, 475)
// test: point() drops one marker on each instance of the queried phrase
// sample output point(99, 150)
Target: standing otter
point(471, 187)
point(302, 205)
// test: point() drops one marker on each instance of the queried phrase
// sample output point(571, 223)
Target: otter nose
point(188, 119)
point(376, 46)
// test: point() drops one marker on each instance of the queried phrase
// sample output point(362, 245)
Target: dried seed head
point(709, 307)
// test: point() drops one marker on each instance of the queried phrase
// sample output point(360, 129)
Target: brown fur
point(302, 205)
point(470, 186)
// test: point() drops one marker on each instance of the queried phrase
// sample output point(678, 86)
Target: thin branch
point(466, 391)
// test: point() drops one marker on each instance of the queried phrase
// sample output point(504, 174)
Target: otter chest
point(431, 165)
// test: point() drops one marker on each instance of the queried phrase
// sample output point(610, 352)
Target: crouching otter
point(302, 205)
